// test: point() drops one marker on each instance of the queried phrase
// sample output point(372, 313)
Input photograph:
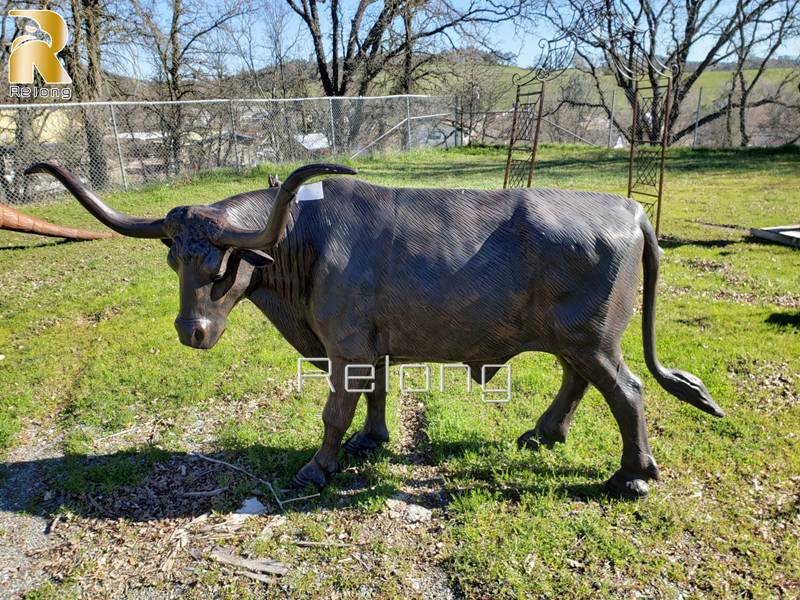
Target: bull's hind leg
point(623, 393)
point(374, 433)
point(554, 423)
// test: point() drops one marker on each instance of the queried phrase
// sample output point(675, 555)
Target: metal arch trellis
point(555, 56)
point(651, 103)
point(649, 132)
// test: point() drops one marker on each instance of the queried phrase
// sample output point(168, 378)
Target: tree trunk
point(728, 121)
point(98, 163)
point(87, 83)
point(744, 139)
point(24, 144)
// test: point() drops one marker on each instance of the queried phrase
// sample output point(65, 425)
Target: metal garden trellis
point(647, 155)
point(651, 95)
point(555, 57)
point(649, 133)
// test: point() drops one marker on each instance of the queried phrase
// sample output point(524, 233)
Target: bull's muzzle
point(198, 333)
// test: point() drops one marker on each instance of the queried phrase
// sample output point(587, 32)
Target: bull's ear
point(257, 258)
point(167, 242)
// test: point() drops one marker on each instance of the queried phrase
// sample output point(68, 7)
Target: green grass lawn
point(90, 350)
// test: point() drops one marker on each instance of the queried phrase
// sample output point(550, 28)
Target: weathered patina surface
point(444, 275)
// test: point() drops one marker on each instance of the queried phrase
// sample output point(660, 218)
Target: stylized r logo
point(28, 51)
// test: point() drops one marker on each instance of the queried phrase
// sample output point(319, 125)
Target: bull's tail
point(681, 384)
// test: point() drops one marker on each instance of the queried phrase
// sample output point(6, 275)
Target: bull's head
point(214, 259)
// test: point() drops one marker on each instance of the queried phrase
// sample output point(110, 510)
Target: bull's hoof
point(626, 486)
point(362, 445)
point(534, 439)
point(311, 475)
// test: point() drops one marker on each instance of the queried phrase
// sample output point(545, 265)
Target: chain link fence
point(117, 145)
point(566, 119)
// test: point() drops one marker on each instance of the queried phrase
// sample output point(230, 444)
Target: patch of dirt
point(147, 540)
point(92, 319)
point(412, 519)
point(134, 538)
point(724, 294)
point(738, 288)
point(723, 269)
point(699, 322)
point(772, 385)
point(416, 511)
point(24, 537)
point(154, 539)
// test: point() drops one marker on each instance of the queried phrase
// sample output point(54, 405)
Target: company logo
point(29, 51)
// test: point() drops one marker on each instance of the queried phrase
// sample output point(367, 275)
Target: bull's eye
point(227, 275)
point(220, 287)
point(223, 265)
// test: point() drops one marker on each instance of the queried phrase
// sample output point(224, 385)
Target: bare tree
point(88, 21)
point(175, 38)
point(765, 35)
point(662, 32)
point(268, 57)
point(472, 78)
point(375, 33)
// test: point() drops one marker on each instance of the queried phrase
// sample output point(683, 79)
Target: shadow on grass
point(148, 483)
point(510, 476)
point(669, 241)
point(784, 320)
point(675, 242)
point(40, 244)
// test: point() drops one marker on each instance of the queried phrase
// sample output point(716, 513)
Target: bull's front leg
point(374, 433)
point(336, 417)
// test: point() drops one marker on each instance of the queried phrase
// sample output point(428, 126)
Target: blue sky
point(511, 39)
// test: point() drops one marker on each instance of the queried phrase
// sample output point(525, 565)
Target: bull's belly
point(460, 350)
point(461, 332)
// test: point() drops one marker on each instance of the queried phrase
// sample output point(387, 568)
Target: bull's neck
point(288, 277)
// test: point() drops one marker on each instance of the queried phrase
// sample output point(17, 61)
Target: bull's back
point(459, 275)
point(476, 274)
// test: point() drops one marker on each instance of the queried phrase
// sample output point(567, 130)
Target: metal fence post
point(664, 144)
point(119, 148)
point(455, 121)
point(233, 136)
point(333, 125)
point(697, 118)
point(611, 116)
point(408, 123)
point(634, 131)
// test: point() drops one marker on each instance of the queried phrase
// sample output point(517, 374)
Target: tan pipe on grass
point(13, 220)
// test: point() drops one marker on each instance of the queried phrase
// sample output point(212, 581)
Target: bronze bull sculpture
point(439, 275)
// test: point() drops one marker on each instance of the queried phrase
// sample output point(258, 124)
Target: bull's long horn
point(119, 222)
point(13, 220)
point(275, 228)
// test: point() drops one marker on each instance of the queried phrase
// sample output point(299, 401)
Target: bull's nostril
point(197, 333)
